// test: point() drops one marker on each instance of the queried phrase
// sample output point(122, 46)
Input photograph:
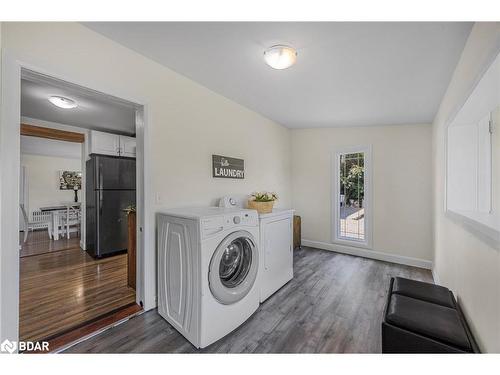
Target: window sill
point(485, 224)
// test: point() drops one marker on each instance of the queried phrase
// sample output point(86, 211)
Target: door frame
point(10, 121)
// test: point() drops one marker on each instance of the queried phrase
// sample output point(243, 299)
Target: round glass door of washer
point(233, 267)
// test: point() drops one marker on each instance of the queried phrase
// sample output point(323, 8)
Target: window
point(352, 194)
point(352, 210)
point(472, 155)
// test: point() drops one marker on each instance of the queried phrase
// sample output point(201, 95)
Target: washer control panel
point(243, 218)
point(216, 224)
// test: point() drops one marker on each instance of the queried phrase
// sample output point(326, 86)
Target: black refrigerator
point(110, 189)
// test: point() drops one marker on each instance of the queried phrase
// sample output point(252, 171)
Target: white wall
point(43, 179)
point(3, 265)
point(187, 123)
point(402, 194)
point(465, 261)
point(50, 147)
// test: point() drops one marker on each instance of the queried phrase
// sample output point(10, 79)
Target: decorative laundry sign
point(226, 167)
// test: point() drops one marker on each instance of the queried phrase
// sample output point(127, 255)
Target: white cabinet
point(276, 251)
point(112, 144)
point(104, 143)
point(127, 146)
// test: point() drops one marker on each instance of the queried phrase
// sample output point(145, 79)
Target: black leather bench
point(424, 318)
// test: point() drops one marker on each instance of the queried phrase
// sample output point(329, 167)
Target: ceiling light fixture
point(280, 56)
point(62, 102)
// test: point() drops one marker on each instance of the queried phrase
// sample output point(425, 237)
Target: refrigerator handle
point(100, 202)
point(100, 177)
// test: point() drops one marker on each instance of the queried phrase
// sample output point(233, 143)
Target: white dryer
point(208, 264)
point(275, 245)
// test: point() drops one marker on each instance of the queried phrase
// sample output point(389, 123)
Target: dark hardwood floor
point(65, 288)
point(334, 304)
point(64, 340)
point(38, 242)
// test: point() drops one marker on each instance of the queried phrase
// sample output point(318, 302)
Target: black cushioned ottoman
point(424, 291)
point(423, 318)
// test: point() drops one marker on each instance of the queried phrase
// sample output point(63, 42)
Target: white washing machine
point(208, 264)
point(275, 245)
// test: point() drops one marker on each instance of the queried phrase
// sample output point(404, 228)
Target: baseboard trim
point(435, 276)
point(372, 254)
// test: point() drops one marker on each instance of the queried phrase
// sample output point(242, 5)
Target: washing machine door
point(234, 267)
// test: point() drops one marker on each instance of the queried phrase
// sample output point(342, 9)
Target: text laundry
point(226, 172)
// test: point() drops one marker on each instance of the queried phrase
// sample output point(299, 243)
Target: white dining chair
point(72, 220)
point(30, 225)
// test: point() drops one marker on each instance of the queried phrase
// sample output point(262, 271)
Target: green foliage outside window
point(352, 174)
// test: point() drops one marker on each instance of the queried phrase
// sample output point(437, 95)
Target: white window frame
point(480, 218)
point(367, 202)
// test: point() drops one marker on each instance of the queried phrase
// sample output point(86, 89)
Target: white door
point(127, 146)
point(278, 255)
point(104, 143)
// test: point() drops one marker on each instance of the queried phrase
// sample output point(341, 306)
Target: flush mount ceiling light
point(62, 102)
point(280, 56)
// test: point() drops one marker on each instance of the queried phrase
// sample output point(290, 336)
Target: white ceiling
point(347, 74)
point(95, 110)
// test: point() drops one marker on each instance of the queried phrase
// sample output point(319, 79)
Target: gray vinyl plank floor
point(334, 304)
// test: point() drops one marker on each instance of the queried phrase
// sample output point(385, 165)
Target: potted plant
point(263, 202)
point(129, 209)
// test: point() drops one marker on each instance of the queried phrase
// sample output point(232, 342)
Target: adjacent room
point(77, 202)
point(251, 187)
point(50, 176)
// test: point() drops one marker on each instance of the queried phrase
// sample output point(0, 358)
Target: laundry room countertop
point(277, 212)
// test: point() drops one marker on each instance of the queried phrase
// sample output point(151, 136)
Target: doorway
point(64, 285)
point(50, 184)
point(13, 66)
